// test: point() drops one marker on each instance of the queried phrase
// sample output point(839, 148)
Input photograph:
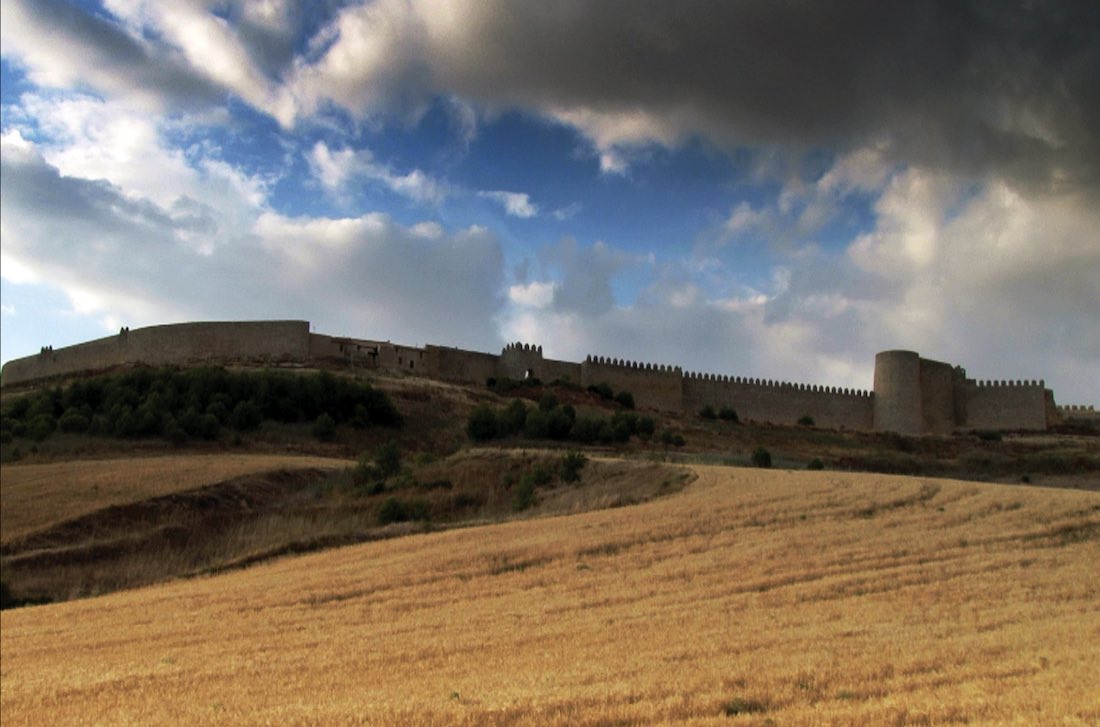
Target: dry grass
point(35, 496)
point(755, 597)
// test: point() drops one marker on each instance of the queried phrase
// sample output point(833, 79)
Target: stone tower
point(898, 392)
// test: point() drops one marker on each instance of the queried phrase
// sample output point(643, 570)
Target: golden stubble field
point(754, 597)
point(35, 496)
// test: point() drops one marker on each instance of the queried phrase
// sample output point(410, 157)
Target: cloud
point(516, 204)
point(337, 169)
point(969, 87)
point(63, 46)
point(127, 258)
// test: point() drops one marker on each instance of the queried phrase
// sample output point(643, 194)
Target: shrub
point(815, 464)
point(761, 457)
point(727, 414)
point(586, 429)
point(324, 428)
point(806, 420)
point(571, 465)
point(560, 423)
point(40, 427)
point(603, 390)
point(246, 415)
point(646, 427)
point(707, 412)
point(482, 424)
point(537, 425)
point(524, 496)
point(548, 402)
point(393, 510)
point(670, 438)
point(209, 426)
point(625, 399)
point(73, 421)
point(387, 457)
point(511, 420)
point(988, 435)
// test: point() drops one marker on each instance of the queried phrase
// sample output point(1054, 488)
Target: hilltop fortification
point(911, 395)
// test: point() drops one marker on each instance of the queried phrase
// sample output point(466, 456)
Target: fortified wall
point(912, 395)
point(180, 344)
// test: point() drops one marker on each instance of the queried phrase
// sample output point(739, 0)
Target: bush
point(707, 412)
point(73, 421)
point(670, 438)
point(806, 420)
point(586, 429)
point(40, 427)
point(537, 425)
point(625, 399)
point(571, 465)
point(482, 424)
point(603, 390)
point(393, 510)
point(246, 415)
point(815, 464)
point(727, 414)
point(387, 457)
point(524, 496)
point(646, 427)
point(761, 457)
point(548, 402)
point(324, 428)
point(512, 419)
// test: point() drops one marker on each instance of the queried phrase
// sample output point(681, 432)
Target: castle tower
point(898, 392)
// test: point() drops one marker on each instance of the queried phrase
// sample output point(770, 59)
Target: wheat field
point(753, 597)
point(35, 496)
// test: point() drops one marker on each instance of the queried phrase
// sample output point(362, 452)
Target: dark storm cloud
point(94, 50)
point(973, 86)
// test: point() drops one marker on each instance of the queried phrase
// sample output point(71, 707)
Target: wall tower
point(898, 392)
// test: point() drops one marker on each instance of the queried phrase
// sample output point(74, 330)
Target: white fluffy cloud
point(517, 204)
point(124, 257)
point(337, 169)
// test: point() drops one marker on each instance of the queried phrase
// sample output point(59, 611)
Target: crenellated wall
point(780, 402)
point(1008, 405)
point(654, 386)
point(912, 395)
point(174, 344)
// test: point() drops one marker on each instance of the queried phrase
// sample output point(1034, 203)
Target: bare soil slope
point(754, 597)
point(36, 496)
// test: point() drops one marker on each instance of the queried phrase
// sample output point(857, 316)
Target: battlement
point(1041, 384)
point(521, 347)
point(633, 365)
point(911, 394)
point(769, 383)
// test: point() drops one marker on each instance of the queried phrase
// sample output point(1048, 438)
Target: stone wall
point(455, 364)
point(780, 402)
point(653, 386)
point(937, 397)
point(1006, 405)
point(912, 395)
point(174, 344)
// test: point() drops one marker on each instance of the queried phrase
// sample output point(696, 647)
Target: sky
point(769, 189)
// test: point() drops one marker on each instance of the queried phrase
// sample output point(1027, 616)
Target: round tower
point(897, 392)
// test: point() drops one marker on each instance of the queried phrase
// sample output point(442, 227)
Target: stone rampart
point(654, 386)
point(458, 365)
point(180, 344)
point(912, 395)
point(780, 402)
point(1007, 405)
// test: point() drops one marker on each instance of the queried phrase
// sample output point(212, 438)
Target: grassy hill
point(441, 581)
point(752, 597)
